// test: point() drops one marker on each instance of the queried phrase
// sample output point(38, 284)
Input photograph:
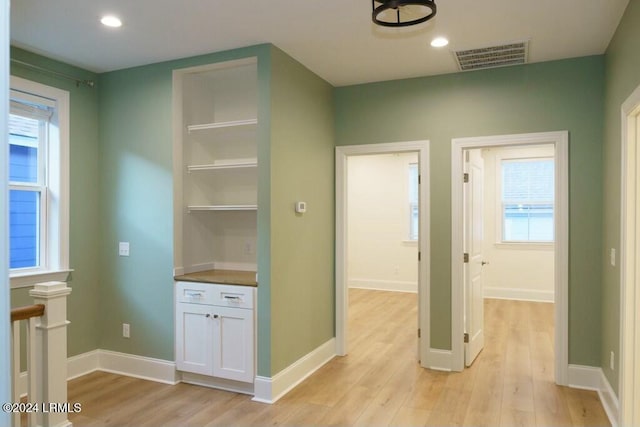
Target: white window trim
point(409, 238)
point(515, 244)
point(56, 266)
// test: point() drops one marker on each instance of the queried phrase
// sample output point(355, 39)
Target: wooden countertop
point(226, 277)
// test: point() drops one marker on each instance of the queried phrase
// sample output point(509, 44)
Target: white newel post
point(51, 350)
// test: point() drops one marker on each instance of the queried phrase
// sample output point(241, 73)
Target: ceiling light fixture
point(111, 21)
point(439, 42)
point(402, 13)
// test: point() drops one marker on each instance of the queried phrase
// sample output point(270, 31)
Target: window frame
point(530, 244)
point(54, 238)
point(410, 231)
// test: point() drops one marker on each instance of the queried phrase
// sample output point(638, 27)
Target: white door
point(473, 232)
point(194, 338)
point(233, 344)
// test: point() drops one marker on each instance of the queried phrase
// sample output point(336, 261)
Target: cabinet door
point(233, 344)
point(194, 338)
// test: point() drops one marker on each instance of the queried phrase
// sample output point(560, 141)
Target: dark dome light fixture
point(402, 13)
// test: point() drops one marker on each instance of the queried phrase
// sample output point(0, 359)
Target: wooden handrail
point(26, 312)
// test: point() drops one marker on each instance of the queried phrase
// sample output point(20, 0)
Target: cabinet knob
point(207, 315)
point(215, 316)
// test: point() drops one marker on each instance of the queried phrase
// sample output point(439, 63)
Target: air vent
point(493, 56)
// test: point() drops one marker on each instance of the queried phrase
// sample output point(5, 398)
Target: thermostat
point(301, 207)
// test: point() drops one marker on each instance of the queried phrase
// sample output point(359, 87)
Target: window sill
point(410, 242)
point(525, 245)
point(28, 279)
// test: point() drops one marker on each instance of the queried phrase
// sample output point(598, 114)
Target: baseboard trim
point(384, 285)
point(439, 360)
point(146, 368)
point(584, 377)
point(609, 400)
point(130, 365)
point(592, 378)
point(270, 389)
point(82, 364)
point(219, 383)
point(519, 294)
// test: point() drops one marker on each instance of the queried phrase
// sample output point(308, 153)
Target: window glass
point(528, 200)
point(26, 189)
point(413, 201)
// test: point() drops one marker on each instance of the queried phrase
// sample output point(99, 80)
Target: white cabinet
point(215, 330)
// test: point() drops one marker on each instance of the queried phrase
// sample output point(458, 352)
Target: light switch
point(612, 257)
point(123, 249)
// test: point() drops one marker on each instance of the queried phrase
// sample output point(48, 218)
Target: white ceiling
point(335, 39)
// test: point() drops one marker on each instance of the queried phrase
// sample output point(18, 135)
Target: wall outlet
point(612, 361)
point(123, 249)
point(126, 330)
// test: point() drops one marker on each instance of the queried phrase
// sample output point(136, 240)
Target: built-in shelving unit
point(216, 170)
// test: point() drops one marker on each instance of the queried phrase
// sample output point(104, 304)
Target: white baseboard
point(592, 378)
point(82, 364)
point(440, 360)
point(609, 400)
point(383, 285)
point(219, 383)
point(532, 295)
point(269, 390)
point(145, 368)
point(584, 377)
point(129, 365)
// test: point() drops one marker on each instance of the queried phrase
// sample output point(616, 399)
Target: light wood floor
point(379, 383)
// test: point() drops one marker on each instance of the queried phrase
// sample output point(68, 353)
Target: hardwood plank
point(378, 383)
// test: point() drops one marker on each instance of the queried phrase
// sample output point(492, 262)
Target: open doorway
point(421, 245)
point(508, 246)
point(460, 245)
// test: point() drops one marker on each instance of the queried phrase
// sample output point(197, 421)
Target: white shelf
point(225, 164)
point(222, 208)
point(219, 125)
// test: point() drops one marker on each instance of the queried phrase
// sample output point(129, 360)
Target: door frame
point(629, 389)
point(560, 140)
point(342, 295)
point(5, 295)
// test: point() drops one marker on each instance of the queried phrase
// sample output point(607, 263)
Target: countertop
point(226, 277)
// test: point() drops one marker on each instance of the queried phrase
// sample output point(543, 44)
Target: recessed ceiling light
point(111, 21)
point(439, 42)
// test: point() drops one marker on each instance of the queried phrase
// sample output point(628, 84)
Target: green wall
point(295, 254)
point(622, 77)
point(136, 170)
point(302, 248)
point(85, 202)
point(552, 96)
point(122, 190)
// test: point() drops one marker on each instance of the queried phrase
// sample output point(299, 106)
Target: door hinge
point(466, 338)
point(465, 178)
point(419, 179)
point(465, 257)
point(419, 255)
point(418, 332)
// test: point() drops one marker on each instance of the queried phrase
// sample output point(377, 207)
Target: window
point(38, 183)
point(528, 200)
point(413, 202)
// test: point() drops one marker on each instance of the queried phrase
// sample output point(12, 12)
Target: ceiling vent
point(493, 56)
